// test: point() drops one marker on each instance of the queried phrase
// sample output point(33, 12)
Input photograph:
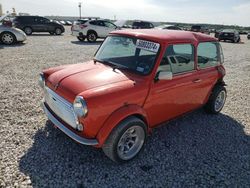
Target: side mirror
point(165, 75)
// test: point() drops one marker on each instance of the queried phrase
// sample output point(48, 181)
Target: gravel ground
point(197, 150)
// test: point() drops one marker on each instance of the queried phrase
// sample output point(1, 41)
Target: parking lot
point(195, 150)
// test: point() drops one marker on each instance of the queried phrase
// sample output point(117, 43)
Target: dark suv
point(229, 34)
point(200, 29)
point(142, 25)
point(31, 24)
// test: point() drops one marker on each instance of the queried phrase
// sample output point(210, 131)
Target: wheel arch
point(118, 116)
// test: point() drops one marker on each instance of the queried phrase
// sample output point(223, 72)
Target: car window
point(110, 25)
point(178, 59)
point(208, 54)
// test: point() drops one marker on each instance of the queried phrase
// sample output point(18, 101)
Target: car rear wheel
point(58, 31)
point(126, 140)
point(216, 100)
point(28, 30)
point(81, 38)
point(91, 37)
point(8, 38)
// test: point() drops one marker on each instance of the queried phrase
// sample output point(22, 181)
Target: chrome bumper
point(68, 132)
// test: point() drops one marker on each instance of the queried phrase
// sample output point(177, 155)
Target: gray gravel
point(197, 150)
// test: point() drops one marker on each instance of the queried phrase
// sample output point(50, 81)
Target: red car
point(137, 80)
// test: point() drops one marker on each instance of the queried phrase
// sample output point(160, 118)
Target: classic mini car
point(137, 80)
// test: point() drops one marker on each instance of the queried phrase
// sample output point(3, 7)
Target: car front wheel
point(58, 31)
point(27, 30)
point(91, 37)
point(216, 100)
point(8, 38)
point(126, 140)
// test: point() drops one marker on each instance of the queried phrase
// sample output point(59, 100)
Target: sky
point(228, 12)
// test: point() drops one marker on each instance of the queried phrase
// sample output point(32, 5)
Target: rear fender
point(116, 117)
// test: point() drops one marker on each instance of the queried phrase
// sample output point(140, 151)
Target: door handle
point(197, 80)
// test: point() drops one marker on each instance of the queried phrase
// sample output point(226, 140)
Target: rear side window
point(208, 54)
point(178, 59)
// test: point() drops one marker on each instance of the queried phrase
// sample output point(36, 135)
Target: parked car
point(92, 29)
point(217, 33)
point(229, 34)
point(68, 23)
point(248, 35)
point(30, 24)
point(169, 27)
point(200, 29)
point(10, 35)
point(137, 80)
point(142, 25)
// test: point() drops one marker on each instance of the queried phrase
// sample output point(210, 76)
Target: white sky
point(234, 12)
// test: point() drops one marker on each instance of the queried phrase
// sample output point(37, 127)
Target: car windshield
point(128, 53)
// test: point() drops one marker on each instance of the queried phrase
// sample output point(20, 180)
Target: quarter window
point(178, 59)
point(208, 54)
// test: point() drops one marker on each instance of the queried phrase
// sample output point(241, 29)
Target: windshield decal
point(147, 45)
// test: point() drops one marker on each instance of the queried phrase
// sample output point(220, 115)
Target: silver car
point(10, 35)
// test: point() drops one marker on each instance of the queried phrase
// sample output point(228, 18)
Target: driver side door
point(170, 98)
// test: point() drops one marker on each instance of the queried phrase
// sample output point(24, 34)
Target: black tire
point(91, 36)
point(238, 40)
point(28, 30)
point(58, 31)
point(8, 38)
point(210, 107)
point(81, 38)
point(110, 147)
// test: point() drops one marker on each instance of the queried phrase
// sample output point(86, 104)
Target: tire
point(58, 31)
point(216, 100)
point(122, 138)
point(91, 36)
point(28, 30)
point(238, 40)
point(8, 38)
point(81, 38)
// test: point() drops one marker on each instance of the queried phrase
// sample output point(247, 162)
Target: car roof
point(165, 35)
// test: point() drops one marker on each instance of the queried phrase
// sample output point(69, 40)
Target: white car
point(10, 35)
point(92, 29)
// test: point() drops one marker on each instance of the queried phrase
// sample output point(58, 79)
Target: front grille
point(60, 107)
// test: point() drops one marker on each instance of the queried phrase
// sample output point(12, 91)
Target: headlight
point(80, 107)
point(41, 80)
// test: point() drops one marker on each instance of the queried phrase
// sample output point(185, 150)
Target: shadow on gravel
point(44, 35)
point(11, 46)
point(86, 43)
point(198, 149)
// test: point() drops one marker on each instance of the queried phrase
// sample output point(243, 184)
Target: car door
point(100, 28)
point(169, 98)
point(39, 24)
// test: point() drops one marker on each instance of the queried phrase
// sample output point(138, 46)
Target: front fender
point(116, 117)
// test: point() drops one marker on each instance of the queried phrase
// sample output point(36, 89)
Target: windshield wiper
point(114, 65)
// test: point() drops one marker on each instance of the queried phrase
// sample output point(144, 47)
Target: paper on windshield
point(147, 45)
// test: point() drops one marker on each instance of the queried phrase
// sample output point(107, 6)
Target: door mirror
point(165, 75)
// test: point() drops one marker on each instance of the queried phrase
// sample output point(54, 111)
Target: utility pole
point(80, 9)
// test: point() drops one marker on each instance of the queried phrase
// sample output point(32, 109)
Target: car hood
point(75, 79)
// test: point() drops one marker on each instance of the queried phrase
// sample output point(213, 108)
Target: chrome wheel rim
point(58, 31)
point(92, 37)
point(131, 142)
point(7, 38)
point(220, 100)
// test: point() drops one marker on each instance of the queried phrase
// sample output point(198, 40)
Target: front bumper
point(68, 132)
